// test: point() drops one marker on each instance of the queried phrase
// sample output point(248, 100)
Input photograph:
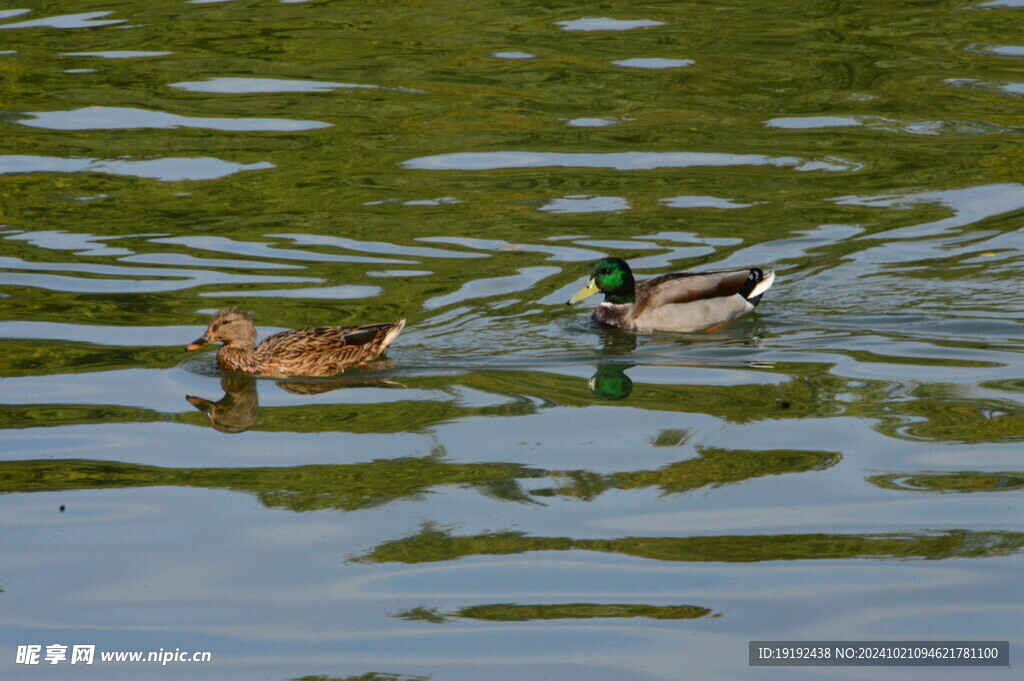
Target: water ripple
point(98, 335)
point(974, 83)
point(812, 122)
point(163, 169)
point(265, 250)
point(997, 50)
point(83, 20)
point(439, 201)
point(964, 127)
point(243, 86)
point(60, 240)
point(629, 160)
point(558, 253)
point(125, 118)
point(592, 122)
point(586, 204)
point(524, 279)
point(342, 292)
point(501, 412)
point(117, 54)
point(183, 260)
point(131, 279)
point(654, 63)
point(703, 202)
point(969, 206)
point(606, 24)
point(513, 55)
point(374, 247)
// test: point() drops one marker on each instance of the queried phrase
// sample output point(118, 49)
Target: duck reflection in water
point(237, 410)
point(617, 342)
point(611, 382)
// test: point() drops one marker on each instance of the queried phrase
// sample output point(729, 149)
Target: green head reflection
point(611, 382)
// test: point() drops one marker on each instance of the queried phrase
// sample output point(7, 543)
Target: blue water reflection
point(163, 169)
point(513, 491)
point(65, 21)
point(118, 54)
point(606, 24)
point(125, 118)
point(628, 160)
point(654, 63)
point(242, 86)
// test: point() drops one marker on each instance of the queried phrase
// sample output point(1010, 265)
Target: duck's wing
point(687, 287)
point(325, 350)
point(368, 334)
point(321, 337)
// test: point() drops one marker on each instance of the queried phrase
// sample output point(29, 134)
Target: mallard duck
point(683, 301)
point(322, 351)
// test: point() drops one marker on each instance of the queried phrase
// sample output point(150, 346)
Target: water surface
point(515, 493)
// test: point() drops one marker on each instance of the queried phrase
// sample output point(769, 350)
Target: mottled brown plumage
point(321, 351)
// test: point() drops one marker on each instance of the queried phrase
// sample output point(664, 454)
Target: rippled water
point(514, 493)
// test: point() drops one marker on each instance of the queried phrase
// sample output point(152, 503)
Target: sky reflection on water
point(513, 491)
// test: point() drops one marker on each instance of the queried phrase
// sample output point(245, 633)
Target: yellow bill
point(587, 291)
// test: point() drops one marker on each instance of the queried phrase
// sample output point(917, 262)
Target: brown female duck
point(321, 351)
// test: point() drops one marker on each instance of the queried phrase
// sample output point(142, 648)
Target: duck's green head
point(612, 277)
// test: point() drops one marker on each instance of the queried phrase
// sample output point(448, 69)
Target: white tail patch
point(392, 333)
point(763, 285)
